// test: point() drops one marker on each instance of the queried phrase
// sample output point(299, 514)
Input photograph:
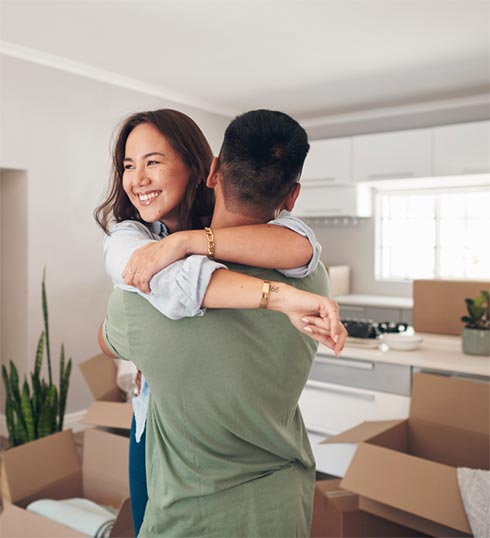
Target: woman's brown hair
point(185, 137)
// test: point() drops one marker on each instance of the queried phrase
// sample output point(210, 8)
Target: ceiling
point(310, 58)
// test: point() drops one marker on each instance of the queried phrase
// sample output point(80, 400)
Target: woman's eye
point(128, 166)
point(150, 163)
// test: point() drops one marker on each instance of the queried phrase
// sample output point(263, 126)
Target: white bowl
point(406, 342)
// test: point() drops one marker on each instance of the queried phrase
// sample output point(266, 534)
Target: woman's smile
point(147, 198)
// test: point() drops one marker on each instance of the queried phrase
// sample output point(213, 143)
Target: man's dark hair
point(260, 160)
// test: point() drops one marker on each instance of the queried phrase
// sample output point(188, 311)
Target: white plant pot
point(476, 341)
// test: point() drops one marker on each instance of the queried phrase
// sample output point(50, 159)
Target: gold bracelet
point(211, 243)
point(266, 288)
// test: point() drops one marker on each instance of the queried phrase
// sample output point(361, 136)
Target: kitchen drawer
point(380, 376)
point(375, 313)
point(329, 409)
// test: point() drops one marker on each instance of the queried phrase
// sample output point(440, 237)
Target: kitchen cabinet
point(372, 375)
point(341, 393)
point(328, 161)
point(394, 155)
point(328, 408)
point(375, 313)
point(325, 200)
point(375, 384)
point(462, 149)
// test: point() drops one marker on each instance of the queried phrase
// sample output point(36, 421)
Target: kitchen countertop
point(375, 300)
point(436, 352)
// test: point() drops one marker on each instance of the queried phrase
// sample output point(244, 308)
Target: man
point(227, 451)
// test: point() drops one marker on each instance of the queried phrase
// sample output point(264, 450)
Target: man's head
point(260, 163)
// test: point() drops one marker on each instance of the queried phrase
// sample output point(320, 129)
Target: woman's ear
point(290, 199)
point(213, 174)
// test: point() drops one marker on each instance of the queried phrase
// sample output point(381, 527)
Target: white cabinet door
point(328, 160)
point(333, 201)
point(329, 409)
point(395, 155)
point(462, 149)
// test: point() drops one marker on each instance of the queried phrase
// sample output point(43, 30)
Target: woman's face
point(155, 177)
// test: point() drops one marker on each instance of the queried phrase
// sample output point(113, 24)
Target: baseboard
point(3, 427)
point(72, 420)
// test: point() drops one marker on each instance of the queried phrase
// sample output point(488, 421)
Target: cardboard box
point(109, 410)
point(336, 514)
point(439, 304)
point(339, 276)
point(50, 468)
point(405, 470)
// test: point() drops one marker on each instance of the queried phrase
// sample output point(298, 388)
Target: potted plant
point(37, 410)
point(476, 332)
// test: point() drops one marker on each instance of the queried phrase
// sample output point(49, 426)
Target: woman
point(161, 162)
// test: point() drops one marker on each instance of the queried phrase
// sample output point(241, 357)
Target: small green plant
point(478, 312)
point(37, 410)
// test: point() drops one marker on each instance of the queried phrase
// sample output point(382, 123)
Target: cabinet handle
point(312, 428)
point(345, 362)
point(318, 385)
point(390, 175)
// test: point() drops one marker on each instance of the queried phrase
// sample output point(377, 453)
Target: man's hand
point(311, 314)
point(152, 258)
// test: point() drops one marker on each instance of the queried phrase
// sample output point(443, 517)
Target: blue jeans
point(137, 477)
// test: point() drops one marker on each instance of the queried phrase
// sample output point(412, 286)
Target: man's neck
point(222, 218)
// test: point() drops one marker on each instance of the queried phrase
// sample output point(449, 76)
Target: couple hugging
point(217, 422)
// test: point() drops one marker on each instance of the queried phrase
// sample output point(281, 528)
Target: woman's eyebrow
point(146, 155)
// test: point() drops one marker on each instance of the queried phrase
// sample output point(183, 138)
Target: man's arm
point(103, 345)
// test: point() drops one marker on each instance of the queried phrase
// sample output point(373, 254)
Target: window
point(436, 233)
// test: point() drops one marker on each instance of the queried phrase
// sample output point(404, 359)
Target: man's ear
point(291, 198)
point(213, 174)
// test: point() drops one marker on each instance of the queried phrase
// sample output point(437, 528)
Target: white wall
point(353, 244)
point(57, 127)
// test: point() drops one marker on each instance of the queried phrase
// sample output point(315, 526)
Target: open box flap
point(18, 523)
point(457, 403)
point(362, 432)
point(100, 373)
point(49, 466)
point(123, 526)
point(105, 464)
point(109, 415)
point(418, 486)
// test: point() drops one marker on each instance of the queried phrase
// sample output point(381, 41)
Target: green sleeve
point(115, 328)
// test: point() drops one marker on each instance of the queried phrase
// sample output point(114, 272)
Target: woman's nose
point(142, 177)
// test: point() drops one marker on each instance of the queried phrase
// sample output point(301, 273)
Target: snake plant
point(37, 410)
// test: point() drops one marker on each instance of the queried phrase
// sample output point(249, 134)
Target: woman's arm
point(286, 243)
point(313, 314)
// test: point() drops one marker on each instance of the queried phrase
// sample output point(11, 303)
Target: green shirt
point(226, 448)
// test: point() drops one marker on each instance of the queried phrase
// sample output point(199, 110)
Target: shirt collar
point(159, 228)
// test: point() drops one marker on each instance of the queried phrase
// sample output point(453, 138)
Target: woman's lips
point(147, 198)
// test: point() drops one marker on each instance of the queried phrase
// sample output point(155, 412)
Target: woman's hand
point(311, 314)
point(152, 258)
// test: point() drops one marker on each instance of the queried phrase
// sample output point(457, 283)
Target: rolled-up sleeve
point(298, 226)
point(125, 238)
point(178, 290)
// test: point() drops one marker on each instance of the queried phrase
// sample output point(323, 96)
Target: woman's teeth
point(148, 196)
